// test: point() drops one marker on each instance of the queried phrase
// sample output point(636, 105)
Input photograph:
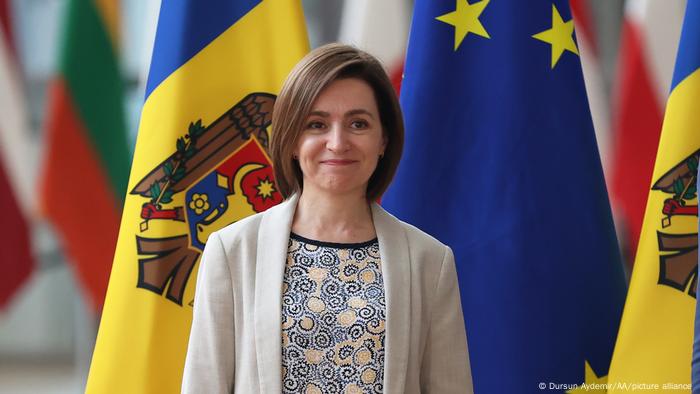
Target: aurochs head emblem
point(225, 174)
point(678, 260)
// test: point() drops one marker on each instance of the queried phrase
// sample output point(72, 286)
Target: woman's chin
point(338, 186)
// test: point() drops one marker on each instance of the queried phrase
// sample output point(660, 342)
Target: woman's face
point(342, 139)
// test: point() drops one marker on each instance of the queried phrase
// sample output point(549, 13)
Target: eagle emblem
point(678, 259)
point(217, 175)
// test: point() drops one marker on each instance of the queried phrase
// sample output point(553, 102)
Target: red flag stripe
point(16, 262)
point(581, 11)
point(637, 123)
point(76, 196)
point(6, 25)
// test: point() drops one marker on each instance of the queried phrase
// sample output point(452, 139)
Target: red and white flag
point(16, 202)
point(379, 27)
point(593, 76)
point(650, 34)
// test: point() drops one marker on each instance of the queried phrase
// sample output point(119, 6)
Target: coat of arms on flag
point(678, 257)
point(225, 174)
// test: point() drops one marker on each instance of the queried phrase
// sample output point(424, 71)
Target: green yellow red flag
point(86, 164)
point(200, 163)
point(655, 341)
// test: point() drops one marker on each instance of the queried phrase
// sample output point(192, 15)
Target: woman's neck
point(336, 218)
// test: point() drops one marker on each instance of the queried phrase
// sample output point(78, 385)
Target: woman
point(327, 292)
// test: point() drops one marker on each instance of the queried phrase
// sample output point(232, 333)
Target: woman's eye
point(359, 124)
point(315, 125)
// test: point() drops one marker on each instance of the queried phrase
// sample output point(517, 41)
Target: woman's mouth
point(337, 162)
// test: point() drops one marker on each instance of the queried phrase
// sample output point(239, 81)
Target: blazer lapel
point(396, 270)
point(273, 238)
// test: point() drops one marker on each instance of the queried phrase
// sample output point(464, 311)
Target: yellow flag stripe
point(109, 11)
point(654, 344)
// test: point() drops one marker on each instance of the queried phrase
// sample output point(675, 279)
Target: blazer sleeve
point(445, 367)
point(209, 364)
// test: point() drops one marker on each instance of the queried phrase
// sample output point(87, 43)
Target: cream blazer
point(236, 338)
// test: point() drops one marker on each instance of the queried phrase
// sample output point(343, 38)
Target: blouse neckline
point(335, 245)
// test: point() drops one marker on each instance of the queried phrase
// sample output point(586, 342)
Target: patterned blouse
point(333, 318)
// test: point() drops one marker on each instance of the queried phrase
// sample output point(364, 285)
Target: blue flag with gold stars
point(501, 164)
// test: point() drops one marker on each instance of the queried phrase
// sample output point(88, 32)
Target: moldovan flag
point(16, 202)
point(501, 164)
point(655, 341)
point(200, 164)
point(86, 164)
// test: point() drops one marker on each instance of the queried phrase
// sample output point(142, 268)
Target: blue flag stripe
point(688, 59)
point(185, 27)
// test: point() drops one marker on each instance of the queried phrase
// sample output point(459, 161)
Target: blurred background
point(47, 324)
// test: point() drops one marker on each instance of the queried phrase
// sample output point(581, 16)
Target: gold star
point(465, 19)
point(560, 36)
point(593, 383)
point(265, 188)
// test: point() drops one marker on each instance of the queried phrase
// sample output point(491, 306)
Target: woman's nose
point(337, 139)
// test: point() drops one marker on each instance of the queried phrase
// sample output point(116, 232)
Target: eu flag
point(501, 164)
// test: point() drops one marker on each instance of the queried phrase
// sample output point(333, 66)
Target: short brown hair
point(305, 82)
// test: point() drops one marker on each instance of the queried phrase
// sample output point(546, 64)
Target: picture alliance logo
point(619, 386)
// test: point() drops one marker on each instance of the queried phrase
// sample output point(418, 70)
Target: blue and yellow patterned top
point(333, 318)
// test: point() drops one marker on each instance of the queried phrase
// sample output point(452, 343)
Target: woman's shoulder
point(245, 229)
point(425, 247)
point(416, 235)
point(417, 238)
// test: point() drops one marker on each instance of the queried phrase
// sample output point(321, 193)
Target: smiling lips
point(338, 162)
